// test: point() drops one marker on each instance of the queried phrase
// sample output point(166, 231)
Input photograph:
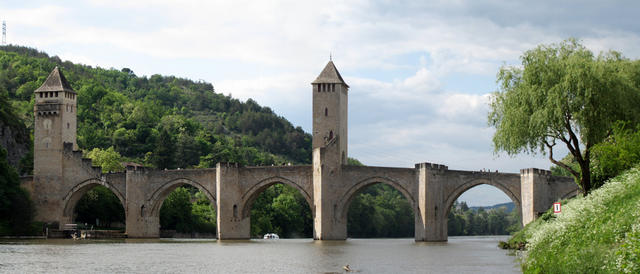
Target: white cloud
point(397, 57)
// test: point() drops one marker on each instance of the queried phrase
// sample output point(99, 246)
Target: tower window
point(326, 111)
point(46, 95)
point(67, 125)
point(56, 94)
point(330, 134)
point(40, 94)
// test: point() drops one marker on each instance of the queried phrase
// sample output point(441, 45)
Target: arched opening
point(185, 209)
point(379, 210)
point(279, 208)
point(95, 205)
point(99, 208)
point(483, 209)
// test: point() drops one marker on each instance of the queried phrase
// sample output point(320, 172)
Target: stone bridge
point(62, 176)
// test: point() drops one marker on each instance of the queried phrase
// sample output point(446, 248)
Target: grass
point(599, 233)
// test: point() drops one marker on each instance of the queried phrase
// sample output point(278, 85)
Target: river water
point(458, 255)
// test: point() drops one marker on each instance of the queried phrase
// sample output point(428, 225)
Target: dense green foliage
point(563, 93)
point(16, 209)
point(100, 208)
point(170, 122)
point(464, 221)
point(163, 121)
point(281, 209)
point(108, 159)
point(599, 233)
point(619, 152)
point(380, 211)
point(179, 213)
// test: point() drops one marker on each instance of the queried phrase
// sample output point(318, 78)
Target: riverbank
point(593, 234)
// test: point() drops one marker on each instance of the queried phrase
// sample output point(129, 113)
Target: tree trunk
point(585, 179)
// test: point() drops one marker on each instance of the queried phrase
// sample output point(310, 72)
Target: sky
point(420, 72)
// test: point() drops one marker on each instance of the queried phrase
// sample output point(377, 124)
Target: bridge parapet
point(431, 166)
point(527, 171)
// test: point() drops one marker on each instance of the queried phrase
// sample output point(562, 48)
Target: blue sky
point(420, 71)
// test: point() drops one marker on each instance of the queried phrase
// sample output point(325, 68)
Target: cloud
point(419, 71)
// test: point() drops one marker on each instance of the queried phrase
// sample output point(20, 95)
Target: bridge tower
point(329, 150)
point(330, 111)
point(55, 127)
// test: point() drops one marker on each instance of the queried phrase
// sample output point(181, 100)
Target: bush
point(616, 154)
point(596, 233)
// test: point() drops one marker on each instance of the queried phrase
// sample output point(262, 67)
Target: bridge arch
point(350, 194)
point(253, 192)
point(453, 196)
point(72, 197)
point(160, 194)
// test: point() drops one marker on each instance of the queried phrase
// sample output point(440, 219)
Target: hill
point(195, 125)
point(507, 206)
point(599, 233)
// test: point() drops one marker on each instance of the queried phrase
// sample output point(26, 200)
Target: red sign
point(557, 207)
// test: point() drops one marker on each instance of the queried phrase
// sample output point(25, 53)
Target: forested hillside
point(160, 121)
point(170, 122)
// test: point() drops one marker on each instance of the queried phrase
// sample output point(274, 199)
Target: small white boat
point(271, 236)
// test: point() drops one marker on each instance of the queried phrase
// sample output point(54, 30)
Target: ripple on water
point(458, 255)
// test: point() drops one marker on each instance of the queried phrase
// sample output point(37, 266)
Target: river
point(478, 254)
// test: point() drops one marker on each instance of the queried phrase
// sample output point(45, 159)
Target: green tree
point(281, 209)
point(617, 153)
point(100, 207)
point(203, 214)
point(380, 211)
point(109, 159)
point(164, 154)
point(16, 209)
point(176, 211)
point(562, 93)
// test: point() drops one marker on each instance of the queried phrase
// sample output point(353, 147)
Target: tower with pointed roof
point(329, 151)
point(55, 113)
point(330, 98)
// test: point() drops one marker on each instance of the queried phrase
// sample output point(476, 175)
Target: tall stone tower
point(330, 111)
point(55, 112)
point(329, 151)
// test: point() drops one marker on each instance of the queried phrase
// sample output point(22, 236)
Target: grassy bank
point(599, 233)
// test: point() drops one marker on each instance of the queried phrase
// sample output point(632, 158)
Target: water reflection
point(459, 255)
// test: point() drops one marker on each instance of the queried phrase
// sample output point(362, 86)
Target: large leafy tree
point(563, 94)
point(16, 209)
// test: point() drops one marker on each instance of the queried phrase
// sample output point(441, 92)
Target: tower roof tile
point(329, 75)
point(55, 82)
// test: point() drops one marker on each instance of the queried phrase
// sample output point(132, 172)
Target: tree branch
point(574, 140)
point(558, 163)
